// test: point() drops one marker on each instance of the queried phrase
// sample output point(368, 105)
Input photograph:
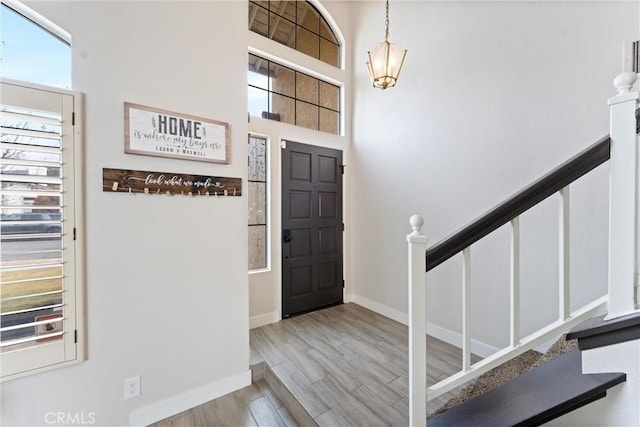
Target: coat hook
point(158, 192)
point(114, 187)
point(146, 191)
point(226, 193)
point(207, 193)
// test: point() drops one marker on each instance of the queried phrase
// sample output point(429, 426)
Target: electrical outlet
point(132, 387)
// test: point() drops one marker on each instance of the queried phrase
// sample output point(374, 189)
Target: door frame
point(265, 286)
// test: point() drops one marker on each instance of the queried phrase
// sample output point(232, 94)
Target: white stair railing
point(624, 264)
point(417, 316)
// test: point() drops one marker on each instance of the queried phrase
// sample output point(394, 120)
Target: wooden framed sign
point(155, 132)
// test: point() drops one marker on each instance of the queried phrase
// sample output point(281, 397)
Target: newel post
point(623, 197)
point(417, 323)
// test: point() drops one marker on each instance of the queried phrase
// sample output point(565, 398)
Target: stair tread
point(597, 332)
point(538, 396)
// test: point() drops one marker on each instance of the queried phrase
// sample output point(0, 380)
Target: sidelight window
point(257, 193)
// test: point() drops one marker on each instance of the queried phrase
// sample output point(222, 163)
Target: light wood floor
point(255, 405)
point(346, 365)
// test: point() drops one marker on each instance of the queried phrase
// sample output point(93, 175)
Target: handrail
point(535, 193)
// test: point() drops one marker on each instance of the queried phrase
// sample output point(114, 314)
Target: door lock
point(286, 235)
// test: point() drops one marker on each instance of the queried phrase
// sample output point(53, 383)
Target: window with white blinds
point(40, 293)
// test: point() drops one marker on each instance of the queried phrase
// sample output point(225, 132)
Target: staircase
point(534, 398)
point(607, 329)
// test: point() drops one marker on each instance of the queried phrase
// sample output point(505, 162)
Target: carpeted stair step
point(536, 397)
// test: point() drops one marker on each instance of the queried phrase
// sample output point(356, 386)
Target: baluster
point(515, 281)
point(417, 324)
point(564, 296)
point(466, 309)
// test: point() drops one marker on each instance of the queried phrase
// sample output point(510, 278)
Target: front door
point(311, 228)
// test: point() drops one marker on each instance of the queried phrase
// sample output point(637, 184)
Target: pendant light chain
point(386, 23)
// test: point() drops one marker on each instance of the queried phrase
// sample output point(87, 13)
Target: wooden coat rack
point(145, 182)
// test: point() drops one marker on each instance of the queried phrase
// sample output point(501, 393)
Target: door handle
point(286, 235)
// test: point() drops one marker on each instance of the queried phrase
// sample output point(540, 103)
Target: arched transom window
point(296, 24)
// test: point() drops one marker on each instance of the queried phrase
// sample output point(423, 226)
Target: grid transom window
point(296, 24)
point(280, 93)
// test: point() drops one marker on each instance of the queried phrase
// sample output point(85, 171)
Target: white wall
point(620, 406)
point(492, 95)
point(167, 288)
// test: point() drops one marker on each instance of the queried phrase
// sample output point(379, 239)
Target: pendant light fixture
point(386, 60)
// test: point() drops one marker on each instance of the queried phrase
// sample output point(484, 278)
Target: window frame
point(48, 355)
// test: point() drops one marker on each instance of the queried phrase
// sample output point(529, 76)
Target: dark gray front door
point(311, 228)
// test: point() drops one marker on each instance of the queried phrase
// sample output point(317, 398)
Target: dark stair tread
point(597, 332)
point(536, 397)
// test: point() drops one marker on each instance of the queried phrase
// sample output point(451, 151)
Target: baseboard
point(347, 297)
point(382, 309)
point(263, 319)
point(477, 347)
point(174, 405)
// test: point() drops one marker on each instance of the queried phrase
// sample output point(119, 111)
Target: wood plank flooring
point(254, 405)
point(346, 366)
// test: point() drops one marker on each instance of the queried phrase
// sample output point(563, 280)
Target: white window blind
point(40, 296)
